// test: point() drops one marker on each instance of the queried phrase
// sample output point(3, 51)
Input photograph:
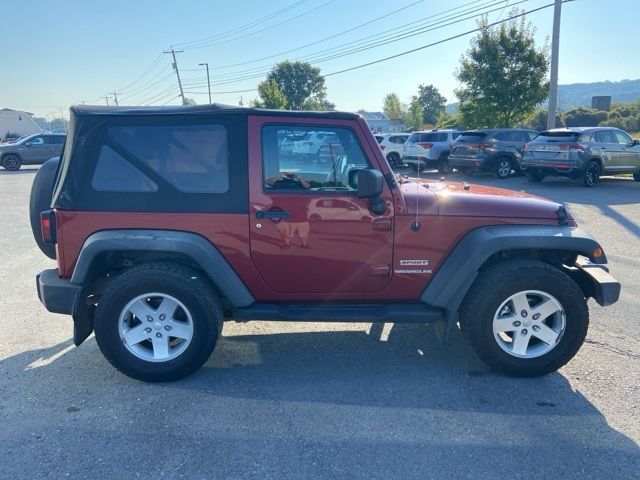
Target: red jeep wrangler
point(167, 221)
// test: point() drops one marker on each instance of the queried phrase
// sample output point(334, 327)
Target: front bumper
point(58, 295)
point(596, 281)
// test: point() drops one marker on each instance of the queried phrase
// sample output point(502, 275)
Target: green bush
point(584, 117)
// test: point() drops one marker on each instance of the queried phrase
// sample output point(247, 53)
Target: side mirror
point(28, 144)
point(635, 142)
point(369, 183)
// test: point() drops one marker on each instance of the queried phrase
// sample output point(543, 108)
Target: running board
point(367, 313)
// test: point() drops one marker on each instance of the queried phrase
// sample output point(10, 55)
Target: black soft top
point(213, 109)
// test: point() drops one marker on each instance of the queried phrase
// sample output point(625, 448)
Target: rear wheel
point(531, 322)
point(443, 167)
point(592, 173)
point(158, 322)
point(534, 177)
point(394, 159)
point(11, 162)
point(503, 167)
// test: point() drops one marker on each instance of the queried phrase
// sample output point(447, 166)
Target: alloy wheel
point(529, 324)
point(504, 168)
point(155, 327)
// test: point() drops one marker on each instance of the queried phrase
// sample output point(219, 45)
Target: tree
point(584, 117)
point(503, 75)
point(538, 120)
point(392, 107)
point(188, 101)
point(431, 102)
point(301, 85)
point(446, 120)
point(413, 116)
point(271, 96)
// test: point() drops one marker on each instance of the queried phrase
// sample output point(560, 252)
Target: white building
point(17, 122)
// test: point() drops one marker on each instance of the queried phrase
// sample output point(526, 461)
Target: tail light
point(527, 146)
point(48, 226)
point(382, 147)
point(571, 146)
point(426, 146)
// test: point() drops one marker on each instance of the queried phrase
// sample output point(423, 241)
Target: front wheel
point(394, 160)
point(11, 162)
point(158, 322)
point(530, 322)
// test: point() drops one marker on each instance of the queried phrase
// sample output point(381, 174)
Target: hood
point(462, 199)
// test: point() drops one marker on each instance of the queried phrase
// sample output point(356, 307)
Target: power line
point(153, 64)
point(242, 27)
point(468, 32)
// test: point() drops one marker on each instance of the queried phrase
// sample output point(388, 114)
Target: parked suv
point(31, 150)
point(581, 153)
point(392, 145)
point(429, 149)
point(167, 221)
point(497, 150)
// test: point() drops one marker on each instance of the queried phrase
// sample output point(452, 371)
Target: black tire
point(40, 200)
point(534, 177)
point(185, 285)
point(503, 167)
point(394, 160)
point(505, 279)
point(443, 166)
point(592, 172)
point(636, 176)
point(11, 162)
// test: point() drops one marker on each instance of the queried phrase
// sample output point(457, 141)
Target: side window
point(622, 137)
point(114, 173)
point(519, 136)
point(502, 136)
point(192, 158)
point(531, 134)
point(314, 159)
point(605, 136)
point(36, 141)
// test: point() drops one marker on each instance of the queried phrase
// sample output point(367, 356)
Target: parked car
point(429, 149)
point(581, 153)
point(497, 150)
point(392, 145)
point(165, 222)
point(31, 150)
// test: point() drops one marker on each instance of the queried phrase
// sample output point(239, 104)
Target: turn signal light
point(48, 226)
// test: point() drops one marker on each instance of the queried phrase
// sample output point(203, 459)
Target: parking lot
point(323, 400)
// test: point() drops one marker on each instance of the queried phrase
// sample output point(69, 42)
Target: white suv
point(429, 149)
point(392, 145)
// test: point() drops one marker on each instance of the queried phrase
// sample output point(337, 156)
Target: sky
point(71, 51)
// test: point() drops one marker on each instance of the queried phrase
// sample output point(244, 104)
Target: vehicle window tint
point(622, 137)
point(192, 158)
point(519, 136)
point(502, 136)
point(397, 139)
point(433, 137)
point(379, 138)
point(114, 173)
point(36, 141)
point(329, 163)
point(413, 138)
point(605, 136)
point(531, 134)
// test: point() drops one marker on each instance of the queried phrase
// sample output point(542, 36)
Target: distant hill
point(579, 94)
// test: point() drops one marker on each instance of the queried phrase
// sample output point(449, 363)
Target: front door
point(310, 233)
point(35, 150)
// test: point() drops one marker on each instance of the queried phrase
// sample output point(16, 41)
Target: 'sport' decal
point(416, 262)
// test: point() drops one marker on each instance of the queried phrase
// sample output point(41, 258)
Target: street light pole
point(208, 81)
point(553, 80)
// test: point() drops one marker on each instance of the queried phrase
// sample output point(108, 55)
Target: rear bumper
point(596, 281)
point(419, 160)
point(557, 169)
point(58, 295)
point(477, 163)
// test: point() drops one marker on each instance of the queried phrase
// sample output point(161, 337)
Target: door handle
point(273, 215)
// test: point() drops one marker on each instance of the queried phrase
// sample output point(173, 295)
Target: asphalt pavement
point(322, 400)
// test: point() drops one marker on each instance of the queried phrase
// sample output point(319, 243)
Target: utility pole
point(208, 81)
point(115, 97)
point(175, 67)
point(241, 103)
point(106, 99)
point(553, 81)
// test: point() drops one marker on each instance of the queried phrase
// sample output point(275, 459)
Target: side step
point(367, 313)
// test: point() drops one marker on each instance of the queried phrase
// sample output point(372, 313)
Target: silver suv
point(31, 150)
point(581, 153)
point(429, 148)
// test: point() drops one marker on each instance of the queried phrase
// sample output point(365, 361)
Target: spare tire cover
point(41, 193)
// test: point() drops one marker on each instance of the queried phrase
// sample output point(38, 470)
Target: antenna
point(416, 226)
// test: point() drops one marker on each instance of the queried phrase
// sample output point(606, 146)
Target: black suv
point(497, 150)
